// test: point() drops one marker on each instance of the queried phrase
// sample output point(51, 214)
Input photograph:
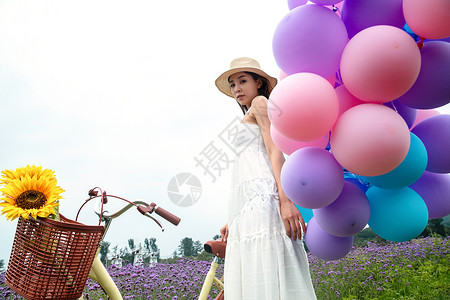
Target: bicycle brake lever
point(146, 209)
point(149, 209)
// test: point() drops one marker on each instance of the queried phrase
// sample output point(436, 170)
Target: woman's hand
point(224, 232)
point(292, 219)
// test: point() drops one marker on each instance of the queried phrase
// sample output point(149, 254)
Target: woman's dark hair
point(262, 91)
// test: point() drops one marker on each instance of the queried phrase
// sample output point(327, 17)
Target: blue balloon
point(307, 213)
point(408, 172)
point(397, 215)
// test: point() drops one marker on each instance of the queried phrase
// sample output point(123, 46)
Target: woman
point(265, 258)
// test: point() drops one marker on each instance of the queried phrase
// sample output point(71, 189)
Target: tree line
point(194, 249)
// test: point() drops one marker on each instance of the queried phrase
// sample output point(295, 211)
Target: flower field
point(418, 269)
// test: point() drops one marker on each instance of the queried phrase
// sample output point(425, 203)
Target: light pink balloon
point(288, 146)
point(346, 99)
point(303, 106)
point(283, 75)
point(380, 63)
point(331, 79)
point(370, 139)
point(423, 114)
point(428, 19)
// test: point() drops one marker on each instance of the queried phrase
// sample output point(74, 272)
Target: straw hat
point(242, 64)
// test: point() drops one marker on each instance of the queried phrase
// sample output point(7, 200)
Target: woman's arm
point(292, 218)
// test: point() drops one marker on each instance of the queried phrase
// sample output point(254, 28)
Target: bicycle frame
point(98, 271)
point(210, 280)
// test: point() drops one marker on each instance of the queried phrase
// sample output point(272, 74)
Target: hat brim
point(224, 86)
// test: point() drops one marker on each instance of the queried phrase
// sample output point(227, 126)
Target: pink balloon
point(423, 114)
point(346, 99)
point(283, 75)
point(332, 80)
point(303, 106)
point(288, 146)
point(370, 140)
point(428, 19)
point(380, 64)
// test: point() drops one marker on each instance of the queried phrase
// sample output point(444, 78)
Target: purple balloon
point(326, 2)
point(312, 178)
point(294, 3)
point(434, 133)
point(447, 40)
point(358, 15)
point(408, 114)
point(435, 191)
point(347, 215)
point(324, 245)
point(310, 38)
point(432, 87)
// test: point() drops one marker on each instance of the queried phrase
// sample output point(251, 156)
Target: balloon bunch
point(352, 111)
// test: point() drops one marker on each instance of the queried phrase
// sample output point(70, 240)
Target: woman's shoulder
point(259, 105)
point(260, 101)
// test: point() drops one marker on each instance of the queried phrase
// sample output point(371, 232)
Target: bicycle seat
point(216, 247)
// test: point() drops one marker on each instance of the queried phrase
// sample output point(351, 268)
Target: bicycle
point(98, 271)
point(218, 249)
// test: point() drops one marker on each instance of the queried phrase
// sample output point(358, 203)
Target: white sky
point(121, 95)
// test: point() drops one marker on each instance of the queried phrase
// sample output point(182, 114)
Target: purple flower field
point(418, 269)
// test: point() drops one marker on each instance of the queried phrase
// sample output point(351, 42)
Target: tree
point(366, 235)
point(175, 254)
point(104, 250)
point(188, 247)
point(132, 248)
point(114, 249)
point(205, 256)
point(150, 244)
point(198, 247)
point(126, 255)
point(435, 227)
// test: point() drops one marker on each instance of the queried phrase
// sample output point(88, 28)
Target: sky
point(120, 95)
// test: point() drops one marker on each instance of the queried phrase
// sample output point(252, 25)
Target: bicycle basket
point(52, 259)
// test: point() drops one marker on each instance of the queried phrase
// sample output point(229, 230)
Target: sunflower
point(8, 175)
point(29, 191)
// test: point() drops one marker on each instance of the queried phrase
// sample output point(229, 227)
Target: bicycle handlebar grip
point(167, 215)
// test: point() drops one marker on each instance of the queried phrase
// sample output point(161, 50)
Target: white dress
point(261, 262)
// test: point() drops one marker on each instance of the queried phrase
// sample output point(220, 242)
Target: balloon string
point(339, 77)
point(393, 106)
point(420, 43)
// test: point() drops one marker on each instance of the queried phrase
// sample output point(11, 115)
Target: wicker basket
point(52, 259)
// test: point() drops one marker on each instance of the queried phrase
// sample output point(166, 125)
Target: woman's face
point(244, 88)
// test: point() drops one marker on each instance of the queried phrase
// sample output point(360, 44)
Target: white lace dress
point(262, 262)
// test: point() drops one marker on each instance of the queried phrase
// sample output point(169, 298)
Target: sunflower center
point(31, 199)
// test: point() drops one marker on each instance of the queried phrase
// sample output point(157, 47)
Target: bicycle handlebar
point(142, 206)
point(160, 211)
